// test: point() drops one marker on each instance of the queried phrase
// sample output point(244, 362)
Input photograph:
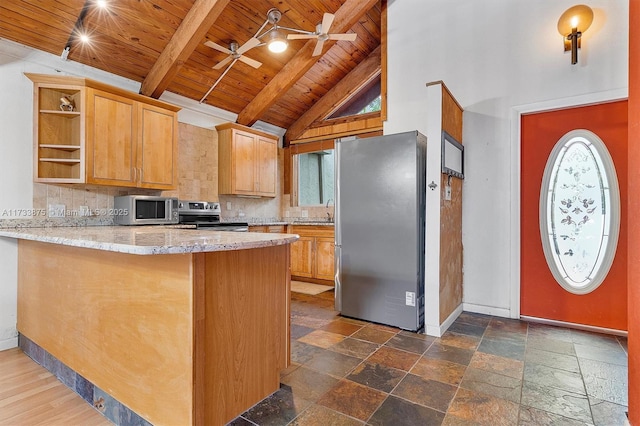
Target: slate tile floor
point(484, 371)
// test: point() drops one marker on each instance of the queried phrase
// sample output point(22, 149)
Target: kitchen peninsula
point(181, 326)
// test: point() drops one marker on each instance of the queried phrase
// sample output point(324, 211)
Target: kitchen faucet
point(329, 218)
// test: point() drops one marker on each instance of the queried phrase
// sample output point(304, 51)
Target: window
point(367, 100)
point(579, 211)
point(315, 177)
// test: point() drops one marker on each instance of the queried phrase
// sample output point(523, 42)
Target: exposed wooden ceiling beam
point(345, 18)
point(337, 94)
point(189, 34)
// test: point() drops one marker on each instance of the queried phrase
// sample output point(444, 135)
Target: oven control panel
point(206, 208)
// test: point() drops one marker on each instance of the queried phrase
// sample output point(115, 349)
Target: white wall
point(494, 55)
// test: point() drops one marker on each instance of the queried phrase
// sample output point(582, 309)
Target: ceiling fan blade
point(327, 20)
point(318, 49)
point(222, 63)
point(250, 44)
point(249, 61)
point(217, 47)
point(300, 36)
point(347, 37)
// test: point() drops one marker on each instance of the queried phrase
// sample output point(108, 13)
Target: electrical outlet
point(410, 298)
point(228, 205)
point(305, 213)
point(57, 210)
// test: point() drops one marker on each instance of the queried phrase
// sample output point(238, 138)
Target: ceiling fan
point(322, 34)
point(275, 41)
point(235, 52)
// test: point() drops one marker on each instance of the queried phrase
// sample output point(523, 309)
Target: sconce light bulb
point(577, 15)
point(574, 22)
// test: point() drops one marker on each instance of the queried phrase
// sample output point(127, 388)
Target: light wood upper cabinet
point(111, 137)
point(247, 161)
point(267, 170)
point(157, 147)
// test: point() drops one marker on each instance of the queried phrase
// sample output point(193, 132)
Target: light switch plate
point(57, 210)
point(447, 193)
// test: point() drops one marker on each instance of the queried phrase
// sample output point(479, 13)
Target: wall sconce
point(573, 22)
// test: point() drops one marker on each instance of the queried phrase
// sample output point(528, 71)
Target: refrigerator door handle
point(336, 279)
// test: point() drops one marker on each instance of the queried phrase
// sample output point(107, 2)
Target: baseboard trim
point(438, 331)
point(8, 343)
point(487, 310)
point(583, 327)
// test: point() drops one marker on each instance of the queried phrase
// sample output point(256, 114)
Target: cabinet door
point(302, 257)
point(157, 149)
point(111, 139)
point(243, 163)
point(267, 166)
point(324, 258)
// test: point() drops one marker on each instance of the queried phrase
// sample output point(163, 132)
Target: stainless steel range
point(206, 215)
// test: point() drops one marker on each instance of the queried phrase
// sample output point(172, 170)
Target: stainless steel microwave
point(145, 210)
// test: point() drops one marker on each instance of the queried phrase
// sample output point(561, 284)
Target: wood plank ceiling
point(160, 43)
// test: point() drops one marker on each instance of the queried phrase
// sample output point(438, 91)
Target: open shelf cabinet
point(59, 131)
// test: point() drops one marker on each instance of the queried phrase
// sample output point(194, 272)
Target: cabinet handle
point(135, 174)
point(141, 174)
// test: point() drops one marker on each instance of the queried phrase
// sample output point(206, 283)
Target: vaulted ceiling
point(161, 44)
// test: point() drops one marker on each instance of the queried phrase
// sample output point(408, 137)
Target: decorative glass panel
point(579, 211)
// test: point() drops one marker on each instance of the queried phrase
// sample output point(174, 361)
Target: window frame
point(610, 247)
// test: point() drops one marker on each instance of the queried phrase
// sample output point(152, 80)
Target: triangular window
point(367, 99)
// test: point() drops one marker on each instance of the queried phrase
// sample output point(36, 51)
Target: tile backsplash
point(197, 180)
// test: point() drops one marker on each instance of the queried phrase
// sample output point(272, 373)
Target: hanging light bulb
point(277, 42)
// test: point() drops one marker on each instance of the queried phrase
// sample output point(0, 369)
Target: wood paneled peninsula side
point(181, 326)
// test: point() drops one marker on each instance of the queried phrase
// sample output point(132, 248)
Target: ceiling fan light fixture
point(277, 42)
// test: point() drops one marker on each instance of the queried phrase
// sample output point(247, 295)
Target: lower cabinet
point(312, 254)
point(273, 229)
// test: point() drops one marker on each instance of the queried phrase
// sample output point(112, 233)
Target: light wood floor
point(30, 395)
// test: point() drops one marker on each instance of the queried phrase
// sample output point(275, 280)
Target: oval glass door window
point(579, 211)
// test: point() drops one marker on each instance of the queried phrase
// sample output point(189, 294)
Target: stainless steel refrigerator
point(380, 229)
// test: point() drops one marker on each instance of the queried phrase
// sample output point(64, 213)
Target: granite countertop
point(314, 222)
point(149, 239)
point(311, 223)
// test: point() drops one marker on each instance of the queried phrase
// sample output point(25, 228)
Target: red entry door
point(540, 295)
